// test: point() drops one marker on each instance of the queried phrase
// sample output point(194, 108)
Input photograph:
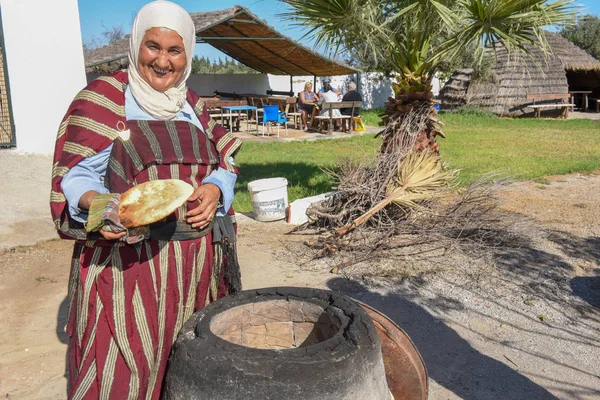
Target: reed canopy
point(517, 76)
point(246, 38)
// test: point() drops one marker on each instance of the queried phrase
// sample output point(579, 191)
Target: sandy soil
point(525, 328)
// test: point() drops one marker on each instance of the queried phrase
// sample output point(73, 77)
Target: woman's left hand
point(201, 216)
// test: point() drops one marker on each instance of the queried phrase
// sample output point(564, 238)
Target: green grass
point(522, 148)
point(371, 117)
point(299, 162)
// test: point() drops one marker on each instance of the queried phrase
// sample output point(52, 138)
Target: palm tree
point(412, 37)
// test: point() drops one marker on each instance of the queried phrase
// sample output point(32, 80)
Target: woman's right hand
point(112, 235)
point(85, 202)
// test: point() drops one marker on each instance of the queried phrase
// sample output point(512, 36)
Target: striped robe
point(127, 302)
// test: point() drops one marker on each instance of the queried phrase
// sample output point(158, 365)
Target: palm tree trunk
point(410, 117)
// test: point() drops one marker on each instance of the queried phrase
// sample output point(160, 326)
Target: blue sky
point(94, 15)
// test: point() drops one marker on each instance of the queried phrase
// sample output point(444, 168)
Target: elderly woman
point(130, 292)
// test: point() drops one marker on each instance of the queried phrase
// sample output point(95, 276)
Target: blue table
point(239, 109)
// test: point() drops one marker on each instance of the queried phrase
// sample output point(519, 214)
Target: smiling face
point(162, 59)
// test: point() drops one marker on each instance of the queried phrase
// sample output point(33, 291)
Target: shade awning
point(244, 37)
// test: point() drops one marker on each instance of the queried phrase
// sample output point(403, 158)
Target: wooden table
point(584, 97)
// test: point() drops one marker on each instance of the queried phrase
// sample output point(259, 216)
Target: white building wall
point(375, 88)
point(45, 63)
point(206, 84)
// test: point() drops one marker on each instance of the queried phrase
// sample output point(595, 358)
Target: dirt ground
point(527, 327)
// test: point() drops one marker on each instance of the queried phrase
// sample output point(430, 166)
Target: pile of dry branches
point(360, 186)
point(404, 204)
point(465, 220)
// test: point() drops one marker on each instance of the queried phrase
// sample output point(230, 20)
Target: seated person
point(329, 96)
point(351, 95)
point(307, 96)
point(327, 87)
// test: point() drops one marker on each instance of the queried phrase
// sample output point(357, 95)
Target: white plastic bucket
point(269, 198)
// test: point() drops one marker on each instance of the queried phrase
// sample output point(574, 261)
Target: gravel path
point(25, 189)
point(526, 327)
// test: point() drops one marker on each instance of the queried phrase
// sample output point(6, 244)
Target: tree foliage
point(412, 37)
point(203, 65)
point(585, 34)
point(108, 36)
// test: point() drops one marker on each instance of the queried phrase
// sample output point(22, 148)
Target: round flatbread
point(152, 201)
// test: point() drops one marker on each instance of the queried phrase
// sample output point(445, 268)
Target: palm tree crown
point(413, 36)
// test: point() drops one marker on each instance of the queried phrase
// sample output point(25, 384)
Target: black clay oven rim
point(352, 335)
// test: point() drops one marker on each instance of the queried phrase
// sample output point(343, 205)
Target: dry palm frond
point(420, 176)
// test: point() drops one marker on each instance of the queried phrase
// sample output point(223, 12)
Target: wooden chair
point(291, 110)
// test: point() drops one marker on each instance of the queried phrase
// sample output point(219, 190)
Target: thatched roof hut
point(517, 76)
point(246, 38)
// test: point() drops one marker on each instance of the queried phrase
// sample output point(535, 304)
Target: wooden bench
point(564, 108)
point(227, 95)
point(337, 105)
point(210, 98)
point(597, 103)
point(217, 103)
point(548, 97)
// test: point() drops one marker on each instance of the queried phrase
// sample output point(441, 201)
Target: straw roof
point(112, 52)
point(517, 76)
point(243, 36)
point(571, 56)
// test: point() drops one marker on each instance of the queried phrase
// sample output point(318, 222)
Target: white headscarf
point(160, 14)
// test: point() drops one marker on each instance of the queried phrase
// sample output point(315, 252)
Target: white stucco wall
point(375, 88)
point(45, 66)
point(206, 84)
